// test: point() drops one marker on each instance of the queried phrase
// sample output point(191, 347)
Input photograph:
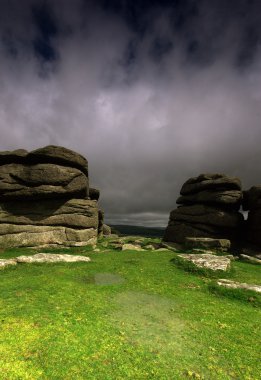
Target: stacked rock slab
point(44, 199)
point(208, 208)
point(252, 203)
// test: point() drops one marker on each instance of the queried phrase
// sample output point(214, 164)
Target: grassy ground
point(125, 315)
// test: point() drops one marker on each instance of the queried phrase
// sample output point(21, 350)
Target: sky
point(150, 92)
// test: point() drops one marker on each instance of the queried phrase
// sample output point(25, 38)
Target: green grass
point(125, 315)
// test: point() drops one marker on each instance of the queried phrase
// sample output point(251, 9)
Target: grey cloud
point(145, 125)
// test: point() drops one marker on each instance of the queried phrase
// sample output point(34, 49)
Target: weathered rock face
point(40, 181)
point(209, 209)
point(252, 202)
point(211, 181)
point(207, 243)
point(106, 230)
point(44, 199)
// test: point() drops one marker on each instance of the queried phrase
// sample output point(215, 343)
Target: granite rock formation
point(45, 199)
point(208, 208)
point(252, 203)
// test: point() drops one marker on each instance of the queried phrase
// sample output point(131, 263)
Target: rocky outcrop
point(45, 199)
point(252, 203)
point(209, 209)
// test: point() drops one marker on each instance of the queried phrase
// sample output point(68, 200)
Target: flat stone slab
point(51, 258)
point(6, 262)
point(208, 261)
point(238, 285)
point(132, 247)
point(207, 243)
point(250, 259)
point(44, 258)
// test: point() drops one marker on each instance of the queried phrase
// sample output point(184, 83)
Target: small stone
point(6, 262)
point(150, 246)
point(238, 285)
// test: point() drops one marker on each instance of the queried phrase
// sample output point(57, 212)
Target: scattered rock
point(117, 246)
point(172, 246)
point(132, 247)
point(51, 258)
point(208, 261)
point(6, 262)
point(112, 236)
point(106, 230)
point(150, 247)
point(238, 285)
point(250, 259)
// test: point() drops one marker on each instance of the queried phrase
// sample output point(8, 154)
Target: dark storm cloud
point(150, 92)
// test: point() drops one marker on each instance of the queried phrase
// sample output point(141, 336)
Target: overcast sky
point(150, 92)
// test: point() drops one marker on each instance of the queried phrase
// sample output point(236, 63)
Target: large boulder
point(208, 208)
point(44, 199)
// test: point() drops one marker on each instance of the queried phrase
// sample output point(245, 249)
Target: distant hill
point(138, 230)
